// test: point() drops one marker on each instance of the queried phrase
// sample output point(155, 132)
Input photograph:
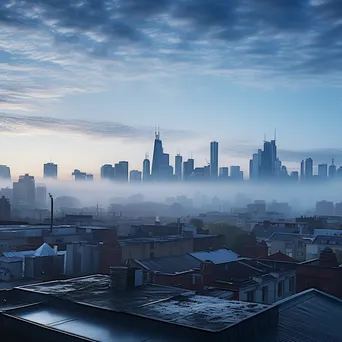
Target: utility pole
point(51, 212)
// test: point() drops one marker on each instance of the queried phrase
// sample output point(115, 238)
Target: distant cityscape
point(264, 166)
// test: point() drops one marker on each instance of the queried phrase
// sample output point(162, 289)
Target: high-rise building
point(302, 170)
point(41, 196)
point(236, 173)
point(269, 156)
point(213, 159)
point(146, 169)
point(50, 170)
point(24, 192)
point(255, 165)
point(294, 176)
point(338, 209)
point(323, 171)
point(178, 166)
point(107, 172)
point(339, 172)
point(5, 172)
point(135, 176)
point(89, 177)
point(188, 168)
point(308, 168)
point(5, 209)
point(332, 169)
point(121, 171)
point(79, 175)
point(161, 169)
point(278, 168)
point(224, 172)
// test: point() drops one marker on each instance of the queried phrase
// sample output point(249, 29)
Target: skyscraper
point(161, 169)
point(41, 196)
point(236, 173)
point(178, 166)
point(24, 192)
point(146, 168)
point(135, 176)
point(5, 172)
point(308, 168)
point(213, 159)
point(302, 170)
point(224, 172)
point(107, 172)
point(188, 168)
point(269, 157)
point(323, 171)
point(121, 171)
point(332, 169)
point(50, 170)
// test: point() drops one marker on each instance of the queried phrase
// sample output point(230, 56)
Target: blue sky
point(84, 83)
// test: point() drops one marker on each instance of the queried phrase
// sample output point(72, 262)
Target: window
point(250, 296)
point(265, 294)
point(291, 284)
point(281, 288)
point(151, 255)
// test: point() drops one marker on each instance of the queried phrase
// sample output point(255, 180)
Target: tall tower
point(178, 166)
point(332, 169)
point(213, 159)
point(308, 168)
point(146, 168)
point(302, 170)
point(50, 170)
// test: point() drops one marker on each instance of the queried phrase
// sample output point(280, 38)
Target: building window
point(151, 255)
point(291, 284)
point(265, 294)
point(281, 288)
point(250, 296)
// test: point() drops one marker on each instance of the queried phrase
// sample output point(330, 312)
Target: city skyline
point(194, 68)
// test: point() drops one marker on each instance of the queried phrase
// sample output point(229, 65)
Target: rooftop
point(217, 257)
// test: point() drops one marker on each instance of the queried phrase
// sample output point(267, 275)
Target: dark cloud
point(283, 35)
point(98, 129)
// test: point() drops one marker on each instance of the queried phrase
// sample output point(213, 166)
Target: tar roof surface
point(311, 316)
point(161, 303)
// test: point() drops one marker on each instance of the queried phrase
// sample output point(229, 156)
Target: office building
point(146, 169)
point(89, 177)
point(236, 173)
point(294, 175)
point(79, 175)
point(5, 172)
point(254, 167)
point(224, 172)
point(213, 159)
point(161, 169)
point(107, 172)
point(5, 209)
point(41, 196)
point(332, 169)
point(178, 166)
point(268, 161)
point(339, 172)
point(323, 171)
point(302, 170)
point(24, 192)
point(121, 171)
point(135, 176)
point(50, 170)
point(188, 168)
point(278, 168)
point(308, 168)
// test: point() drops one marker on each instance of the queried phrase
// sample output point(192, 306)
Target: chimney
point(123, 278)
point(327, 258)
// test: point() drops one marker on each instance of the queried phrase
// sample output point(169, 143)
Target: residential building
point(50, 170)
point(214, 159)
point(321, 242)
point(292, 245)
point(5, 172)
point(107, 172)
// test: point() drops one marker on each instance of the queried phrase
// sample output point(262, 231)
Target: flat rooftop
point(159, 303)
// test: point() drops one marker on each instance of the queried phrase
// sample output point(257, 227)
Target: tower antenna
point(275, 134)
point(264, 137)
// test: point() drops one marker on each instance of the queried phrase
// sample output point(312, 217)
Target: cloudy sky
point(84, 82)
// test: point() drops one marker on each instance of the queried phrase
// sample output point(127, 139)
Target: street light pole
point(51, 212)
